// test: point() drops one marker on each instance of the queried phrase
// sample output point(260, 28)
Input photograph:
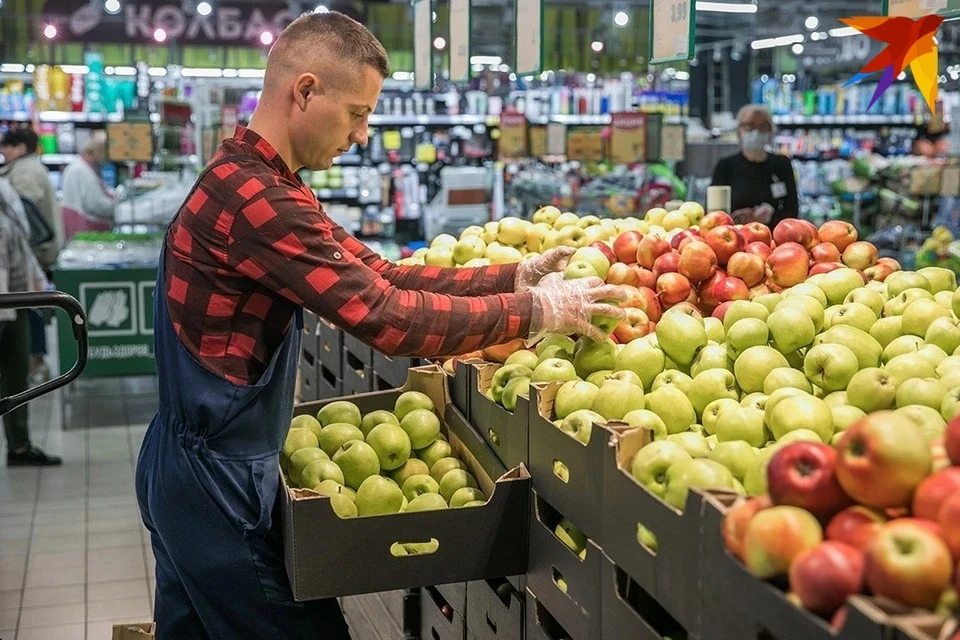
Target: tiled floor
point(74, 556)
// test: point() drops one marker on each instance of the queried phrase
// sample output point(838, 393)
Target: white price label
point(670, 27)
point(422, 51)
point(529, 26)
point(459, 40)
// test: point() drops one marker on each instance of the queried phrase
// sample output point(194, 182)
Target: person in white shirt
point(86, 204)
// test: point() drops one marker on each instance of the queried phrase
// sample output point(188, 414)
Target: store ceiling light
point(439, 43)
point(75, 69)
point(204, 8)
point(157, 72)
point(266, 38)
point(403, 75)
point(811, 23)
point(591, 77)
point(321, 9)
point(124, 71)
point(201, 72)
point(49, 32)
point(621, 19)
point(597, 46)
point(843, 32)
point(11, 68)
point(112, 6)
point(682, 75)
point(494, 60)
point(250, 73)
point(726, 7)
point(160, 35)
point(229, 73)
point(797, 49)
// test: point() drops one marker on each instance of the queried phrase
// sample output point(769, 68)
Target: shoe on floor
point(32, 457)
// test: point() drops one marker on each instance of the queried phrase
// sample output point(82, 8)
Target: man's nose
point(359, 137)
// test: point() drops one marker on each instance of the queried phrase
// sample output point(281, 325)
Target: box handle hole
point(327, 347)
point(402, 549)
point(494, 438)
point(433, 632)
point(561, 471)
point(646, 539)
point(491, 624)
point(559, 580)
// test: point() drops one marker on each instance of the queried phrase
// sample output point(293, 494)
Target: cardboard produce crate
point(309, 389)
point(438, 620)
point(379, 384)
point(540, 624)
point(627, 611)
point(577, 610)
point(737, 605)
point(394, 370)
point(382, 616)
point(494, 610)
point(455, 594)
point(328, 556)
point(358, 349)
point(310, 342)
point(669, 575)
point(507, 432)
point(925, 627)
point(459, 385)
point(130, 631)
point(328, 385)
point(357, 376)
point(330, 347)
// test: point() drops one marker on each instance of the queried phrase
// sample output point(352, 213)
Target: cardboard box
point(328, 385)
point(328, 556)
point(438, 620)
point(359, 350)
point(357, 376)
point(540, 623)
point(577, 610)
point(455, 594)
point(494, 610)
point(627, 611)
point(925, 627)
point(737, 605)
point(330, 347)
point(373, 616)
point(670, 574)
point(379, 384)
point(507, 432)
point(310, 342)
point(309, 390)
point(459, 385)
point(138, 631)
point(393, 370)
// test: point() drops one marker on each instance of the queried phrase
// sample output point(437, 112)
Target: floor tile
point(123, 609)
point(55, 530)
point(55, 577)
point(16, 547)
point(52, 615)
point(10, 599)
point(64, 632)
point(95, 527)
point(15, 508)
point(53, 544)
point(11, 580)
point(115, 555)
point(56, 559)
point(57, 504)
point(13, 533)
point(8, 634)
point(96, 502)
point(101, 630)
point(44, 596)
point(118, 589)
point(59, 517)
point(127, 537)
point(13, 562)
point(116, 571)
point(9, 618)
point(115, 512)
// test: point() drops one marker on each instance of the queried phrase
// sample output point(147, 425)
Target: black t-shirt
point(753, 183)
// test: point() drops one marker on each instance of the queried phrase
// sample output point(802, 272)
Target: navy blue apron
point(207, 483)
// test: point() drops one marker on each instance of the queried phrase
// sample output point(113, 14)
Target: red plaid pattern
point(252, 244)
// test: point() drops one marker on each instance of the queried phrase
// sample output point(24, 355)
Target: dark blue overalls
point(207, 483)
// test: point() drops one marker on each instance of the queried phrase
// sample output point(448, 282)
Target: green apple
point(735, 455)
point(878, 287)
point(358, 461)
point(870, 299)
point(808, 306)
point(696, 473)
point(595, 258)
point(515, 388)
point(950, 363)
point(896, 305)
point(554, 369)
point(756, 401)
point(298, 438)
point(712, 356)
point(741, 424)
point(642, 357)
point(714, 329)
point(741, 309)
point(422, 426)
point(830, 366)
point(650, 464)
point(426, 502)
point(411, 401)
point(434, 452)
point(711, 385)
point(768, 300)
point(571, 536)
point(776, 397)
point(786, 377)
point(412, 467)
point(572, 396)
point(900, 346)
point(301, 458)
point(463, 497)
point(852, 313)
point(790, 329)
point(443, 465)
point(556, 340)
point(801, 412)
point(755, 479)
point(865, 347)
point(932, 354)
point(331, 487)
point(929, 420)
point(597, 378)
point(950, 379)
point(319, 470)
point(308, 422)
point(844, 416)
point(746, 333)
point(694, 443)
point(504, 375)
point(672, 378)
point(808, 289)
point(956, 303)
point(753, 366)
point(580, 269)
point(343, 506)
point(837, 284)
point(339, 411)
point(391, 443)
point(940, 279)
point(579, 424)
point(673, 407)
point(919, 315)
point(334, 435)
point(646, 537)
point(681, 336)
point(626, 376)
point(886, 330)
point(454, 480)
point(524, 358)
point(590, 356)
point(378, 495)
point(950, 407)
point(617, 398)
point(944, 333)
point(498, 253)
point(801, 435)
point(554, 351)
point(910, 365)
point(900, 281)
point(647, 420)
point(468, 249)
point(872, 389)
point(928, 392)
point(418, 485)
point(374, 418)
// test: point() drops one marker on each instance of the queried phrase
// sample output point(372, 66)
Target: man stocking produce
point(249, 247)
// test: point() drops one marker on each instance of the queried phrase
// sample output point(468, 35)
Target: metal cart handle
point(79, 323)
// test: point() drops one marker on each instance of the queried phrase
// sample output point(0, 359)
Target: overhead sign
point(529, 36)
point(460, 40)
point(423, 44)
point(672, 25)
point(919, 8)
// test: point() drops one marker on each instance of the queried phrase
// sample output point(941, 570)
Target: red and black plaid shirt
point(252, 244)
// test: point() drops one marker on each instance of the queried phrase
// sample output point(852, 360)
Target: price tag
point(913, 8)
point(672, 145)
point(593, 145)
point(628, 138)
point(538, 141)
point(529, 36)
point(513, 135)
point(422, 44)
point(671, 30)
point(556, 139)
point(459, 40)
point(130, 142)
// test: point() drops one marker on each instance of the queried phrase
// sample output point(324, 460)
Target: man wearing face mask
point(762, 185)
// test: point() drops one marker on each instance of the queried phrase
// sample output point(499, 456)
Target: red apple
point(730, 289)
point(749, 267)
point(721, 310)
point(855, 525)
point(825, 576)
point(714, 219)
point(909, 564)
point(606, 250)
point(649, 249)
point(860, 255)
point(759, 248)
point(795, 230)
point(645, 277)
point(756, 232)
point(952, 440)
point(622, 273)
point(825, 252)
point(672, 288)
point(890, 262)
point(681, 236)
point(654, 308)
point(878, 272)
point(824, 267)
point(625, 246)
point(776, 536)
point(707, 296)
point(838, 233)
point(635, 326)
point(725, 241)
point(735, 522)
point(934, 490)
point(802, 474)
point(697, 261)
point(788, 264)
point(667, 263)
point(949, 520)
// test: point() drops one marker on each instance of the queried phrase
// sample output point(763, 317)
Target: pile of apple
point(381, 463)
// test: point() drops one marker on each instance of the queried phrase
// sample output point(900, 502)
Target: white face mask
point(755, 140)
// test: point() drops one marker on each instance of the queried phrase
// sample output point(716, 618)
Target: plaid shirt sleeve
point(281, 240)
point(481, 281)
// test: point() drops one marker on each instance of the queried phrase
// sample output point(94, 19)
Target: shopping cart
point(77, 320)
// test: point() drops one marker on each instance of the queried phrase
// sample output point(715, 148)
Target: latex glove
point(566, 306)
point(529, 272)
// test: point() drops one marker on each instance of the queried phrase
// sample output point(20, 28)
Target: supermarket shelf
point(59, 158)
point(353, 194)
point(63, 116)
point(492, 121)
point(872, 119)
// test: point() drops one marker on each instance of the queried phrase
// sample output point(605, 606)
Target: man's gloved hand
point(529, 272)
point(566, 306)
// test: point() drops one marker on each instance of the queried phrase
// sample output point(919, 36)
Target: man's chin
point(321, 165)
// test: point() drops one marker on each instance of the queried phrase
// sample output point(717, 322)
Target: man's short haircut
point(21, 135)
point(330, 37)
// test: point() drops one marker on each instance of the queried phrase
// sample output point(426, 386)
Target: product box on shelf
point(494, 610)
point(628, 611)
point(506, 431)
point(328, 385)
point(358, 350)
point(566, 584)
point(393, 370)
point(438, 620)
point(330, 346)
point(540, 624)
point(353, 556)
point(738, 605)
point(669, 573)
point(357, 376)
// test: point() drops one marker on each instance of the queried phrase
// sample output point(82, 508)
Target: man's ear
point(307, 85)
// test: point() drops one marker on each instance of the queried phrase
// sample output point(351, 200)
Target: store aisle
point(74, 556)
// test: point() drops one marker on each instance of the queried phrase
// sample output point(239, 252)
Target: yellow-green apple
point(756, 401)
point(695, 443)
point(391, 443)
point(554, 369)
point(455, 480)
point(712, 356)
point(740, 309)
point(830, 366)
point(680, 336)
point(549, 239)
point(556, 339)
point(838, 233)
point(882, 459)
point(655, 215)
point(796, 230)
point(886, 330)
point(776, 536)
point(697, 261)
point(730, 289)
point(523, 357)
point(502, 254)
point(776, 397)
point(416, 466)
point(647, 420)
point(378, 495)
point(307, 422)
point(799, 435)
point(577, 269)
point(860, 255)
point(929, 420)
point(319, 470)
point(855, 526)
point(425, 502)
point(928, 392)
point(901, 346)
point(571, 236)
point(465, 496)
point(801, 412)
point(836, 398)
point(711, 385)
point(649, 249)
point(503, 376)
point(374, 418)
point(712, 412)
point(809, 306)
point(675, 220)
point(617, 398)
point(867, 349)
point(736, 520)
point(673, 378)
point(334, 435)
point(741, 423)
point(909, 365)
point(940, 279)
point(844, 416)
point(595, 258)
point(673, 407)
point(469, 248)
point(432, 454)
point(748, 267)
point(422, 426)
point(786, 377)
point(715, 330)
point(919, 315)
point(566, 219)
point(725, 240)
point(950, 406)
point(695, 473)
point(896, 305)
point(755, 479)
point(734, 455)
point(588, 221)
point(693, 210)
point(650, 464)
point(573, 396)
point(872, 389)
point(853, 314)
point(807, 289)
point(870, 299)
point(944, 333)
point(948, 364)
point(900, 281)
point(803, 475)
point(644, 358)
point(908, 563)
point(944, 299)
point(598, 377)
point(300, 459)
point(411, 401)
point(590, 356)
point(440, 468)
point(339, 411)
point(790, 329)
point(826, 575)
point(754, 364)
point(579, 424)
point(955, 303)
point(419, 484)
point(825, 252)
point(473, 230)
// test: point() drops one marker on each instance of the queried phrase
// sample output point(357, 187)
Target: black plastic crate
point(310, 342)
point(309, 387)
